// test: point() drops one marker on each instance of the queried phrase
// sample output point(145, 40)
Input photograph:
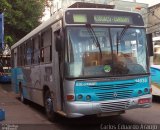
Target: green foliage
point(8, 40)
point(21, 16)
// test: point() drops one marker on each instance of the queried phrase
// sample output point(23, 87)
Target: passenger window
point(46, 46)
point(36, 54)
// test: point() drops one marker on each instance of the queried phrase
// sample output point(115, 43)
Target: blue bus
point(155, 69)
point(5, 69)
point(84, 61)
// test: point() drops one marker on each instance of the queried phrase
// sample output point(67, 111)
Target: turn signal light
point(144, 100)
point(150, 90)
point(70, 97)
point(88, 97)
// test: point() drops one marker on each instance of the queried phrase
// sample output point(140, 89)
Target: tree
point(21, 16)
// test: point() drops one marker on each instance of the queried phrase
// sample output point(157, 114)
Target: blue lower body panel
point(2, 115)
point(5, 79)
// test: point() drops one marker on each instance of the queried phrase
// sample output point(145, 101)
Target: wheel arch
point(45, 88)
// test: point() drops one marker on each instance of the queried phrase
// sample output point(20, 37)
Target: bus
point(155, 67)
point(84, 61)
point(5, 68)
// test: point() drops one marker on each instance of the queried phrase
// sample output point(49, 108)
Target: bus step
point(62, 113)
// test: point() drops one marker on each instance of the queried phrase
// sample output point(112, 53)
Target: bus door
point(57, 66)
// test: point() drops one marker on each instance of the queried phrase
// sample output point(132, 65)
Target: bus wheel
point(48, 104)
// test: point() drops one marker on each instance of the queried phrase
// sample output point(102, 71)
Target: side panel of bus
point(155, 78)
point(155, 68)
point(39, 71)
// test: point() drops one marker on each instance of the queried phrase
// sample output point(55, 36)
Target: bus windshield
point(119, 55)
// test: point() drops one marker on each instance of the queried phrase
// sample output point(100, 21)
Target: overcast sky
point(149, 2)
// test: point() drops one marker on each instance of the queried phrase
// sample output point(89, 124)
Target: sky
point(149, 2)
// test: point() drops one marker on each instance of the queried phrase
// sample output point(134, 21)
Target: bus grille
point(114, 106)
point(114, 86)
point(113, 91)
point(114, 95)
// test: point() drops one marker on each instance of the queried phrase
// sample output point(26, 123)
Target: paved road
point(18, 113)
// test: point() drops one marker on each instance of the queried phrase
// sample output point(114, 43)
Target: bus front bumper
point(80, 108)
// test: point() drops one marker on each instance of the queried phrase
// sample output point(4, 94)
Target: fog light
point(139, 92)
point(80, 97)
point(146, 90)
point(88, 97)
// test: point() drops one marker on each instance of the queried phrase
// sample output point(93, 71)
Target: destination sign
point(112, 19)
point(79, 18)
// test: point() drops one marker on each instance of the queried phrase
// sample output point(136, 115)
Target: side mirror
point(150, 44)
point(58, 43)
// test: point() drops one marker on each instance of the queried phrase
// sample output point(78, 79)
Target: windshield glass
point(118, 56)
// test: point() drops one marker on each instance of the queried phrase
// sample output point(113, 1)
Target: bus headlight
point(139, 92)
point(146, 90)
point(80, 97)
point(88, 97)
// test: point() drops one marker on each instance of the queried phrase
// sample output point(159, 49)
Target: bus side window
point(42, 48)
point(12, 58)
point(18, 56)
point(15, 59)
point(46, 40)
point(47, 46)
point(29, 52)
point(57, 40)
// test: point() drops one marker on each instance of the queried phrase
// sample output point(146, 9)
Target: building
point(118, 4)
point(57, 4)
point(154, 20)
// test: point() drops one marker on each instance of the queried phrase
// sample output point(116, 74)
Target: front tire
point(48, 104)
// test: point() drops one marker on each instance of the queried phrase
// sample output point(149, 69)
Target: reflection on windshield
point(83, 58)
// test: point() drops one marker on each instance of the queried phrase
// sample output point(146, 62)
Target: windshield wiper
point(119, 37)
point(117, 42)
point(123, 32)
point(91, 31)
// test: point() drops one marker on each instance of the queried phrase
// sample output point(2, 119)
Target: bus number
point(144, 80)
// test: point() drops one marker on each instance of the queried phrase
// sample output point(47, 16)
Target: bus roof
point(90, 5)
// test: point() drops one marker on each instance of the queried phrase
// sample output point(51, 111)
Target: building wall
point(57, 4)
point(131, 6)
point(154, 20)
point(119, 4)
